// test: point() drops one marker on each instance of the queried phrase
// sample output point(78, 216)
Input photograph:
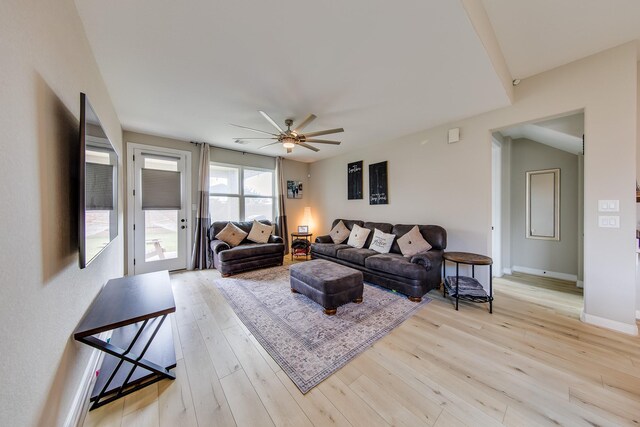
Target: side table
point(302, 250)
point(464, 287)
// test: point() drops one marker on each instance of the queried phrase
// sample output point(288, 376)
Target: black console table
point(140, 351)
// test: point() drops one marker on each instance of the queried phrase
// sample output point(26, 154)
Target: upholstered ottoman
point(327, 283)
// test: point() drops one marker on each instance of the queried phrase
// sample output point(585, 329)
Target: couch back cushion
point(245, 226)
point(382, 226)
point(347, 222)
point(434, 234)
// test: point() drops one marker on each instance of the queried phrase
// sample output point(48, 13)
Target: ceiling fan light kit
point(290, 138)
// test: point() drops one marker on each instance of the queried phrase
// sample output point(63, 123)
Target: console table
point(464, 287)
point(140, 351)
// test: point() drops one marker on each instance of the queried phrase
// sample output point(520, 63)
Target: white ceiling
point(380, 69)
point(563, 133)
point(538, 35)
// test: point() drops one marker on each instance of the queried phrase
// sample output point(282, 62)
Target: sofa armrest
point(324, 239)
point(219, 245)
point(426, 259)
point(275, 239)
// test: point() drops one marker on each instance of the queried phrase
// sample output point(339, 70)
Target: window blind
point(161, 190)
point(98, 187)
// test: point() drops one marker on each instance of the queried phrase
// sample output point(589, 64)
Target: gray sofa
point(413, 276)
point(247, 255)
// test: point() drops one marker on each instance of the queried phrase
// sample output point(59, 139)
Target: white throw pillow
point(358, 236)
point(339, 233)
point(260, 232)
point(381, 242)
point(413, 243)
point(231, 234)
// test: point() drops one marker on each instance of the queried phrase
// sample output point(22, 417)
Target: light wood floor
point(530, 363)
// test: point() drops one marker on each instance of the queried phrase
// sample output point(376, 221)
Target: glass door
point(160, 212)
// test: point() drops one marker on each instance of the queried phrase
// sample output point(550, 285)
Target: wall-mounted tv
point(98, 178)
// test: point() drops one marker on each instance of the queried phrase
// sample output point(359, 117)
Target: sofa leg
point(293, 291)
point(226, 274)
point(415, 299)
point(330, 311)
point(358, 300)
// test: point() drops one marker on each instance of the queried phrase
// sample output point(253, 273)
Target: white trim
point(131, 146)
point(507, 271)
point(580, 284)
point(546, 273)
point(625, 328)
point(80, 404)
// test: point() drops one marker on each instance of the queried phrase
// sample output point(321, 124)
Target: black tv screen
point(98, 178)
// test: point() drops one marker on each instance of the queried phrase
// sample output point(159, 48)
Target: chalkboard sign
point(354, 180)
point(378, 192)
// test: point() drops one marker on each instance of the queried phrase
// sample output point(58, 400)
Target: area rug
point(308, 345)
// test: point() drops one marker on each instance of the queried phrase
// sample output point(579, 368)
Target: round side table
point(464, 287)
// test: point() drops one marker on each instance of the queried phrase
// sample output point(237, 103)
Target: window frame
point(240, 195)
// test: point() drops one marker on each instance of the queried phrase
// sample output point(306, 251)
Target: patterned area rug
point(308, 345)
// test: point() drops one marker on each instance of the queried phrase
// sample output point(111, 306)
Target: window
point(240, 193)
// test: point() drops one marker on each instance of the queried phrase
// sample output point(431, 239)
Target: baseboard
point(545, 273)
point(507, 271)
point(614, 325)
point(80, 403)
point(580, 284)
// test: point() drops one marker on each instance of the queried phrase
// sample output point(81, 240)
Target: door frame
point(131, 146)
point(496, 206)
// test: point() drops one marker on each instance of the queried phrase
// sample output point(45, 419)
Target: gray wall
point(548, 255)
point(46, 63)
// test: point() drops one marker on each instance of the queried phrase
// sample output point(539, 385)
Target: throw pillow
point(231, 234)
point(260, 232)
point(358, 236)
point(339, 233)
point(381, 242)
point(413, 243)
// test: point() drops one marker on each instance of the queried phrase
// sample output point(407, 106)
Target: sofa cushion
point(382, 226)
point(355, 255)
point(381, 242)
point(339, 233)
point(250, 250)
point(358, 236)
point(327, 249)
point(260, 232)
point(397, 265)
point(434, 234)
point(413, 243)
point(231, 234)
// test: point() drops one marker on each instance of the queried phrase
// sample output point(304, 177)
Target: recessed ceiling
point(538, 35)
point(376, 68)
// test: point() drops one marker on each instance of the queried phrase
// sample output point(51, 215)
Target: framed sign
point(354, 180)
point(303, 229)
point(378, 191)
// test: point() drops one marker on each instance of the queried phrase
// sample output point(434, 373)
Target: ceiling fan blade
point(270, 120)
point(289, 150)
point(273, 137)
point(265, 146)
point(255, 130)
point(322, 141)
point(302, 144)
point(304, 123)
point(323, 132)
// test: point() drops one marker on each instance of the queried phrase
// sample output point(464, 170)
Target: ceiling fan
point(291, 137)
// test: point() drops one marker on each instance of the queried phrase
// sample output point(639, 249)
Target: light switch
point(605, 221)
point(609, 205)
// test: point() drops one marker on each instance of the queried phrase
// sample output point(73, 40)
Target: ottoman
point(329, 284)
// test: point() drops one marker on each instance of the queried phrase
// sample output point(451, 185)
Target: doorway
point(540, 231)
point(158, 200)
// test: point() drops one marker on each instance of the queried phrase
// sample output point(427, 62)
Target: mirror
point(98, 208)
point(543, 204)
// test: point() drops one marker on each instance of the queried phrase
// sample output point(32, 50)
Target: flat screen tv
point(98, 178)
